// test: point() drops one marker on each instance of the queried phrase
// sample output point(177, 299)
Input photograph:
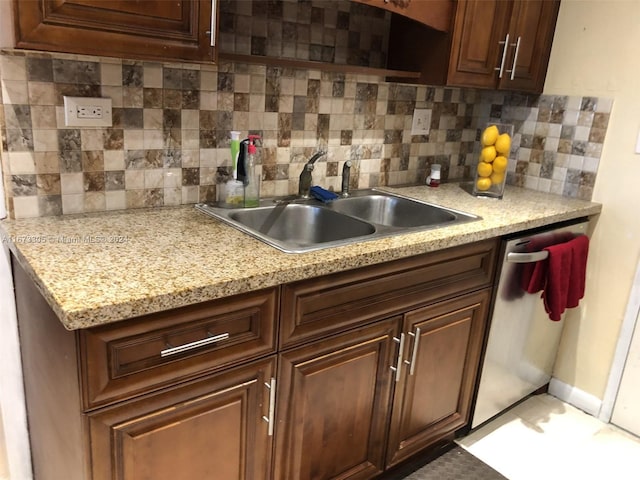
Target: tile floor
point(544, 438)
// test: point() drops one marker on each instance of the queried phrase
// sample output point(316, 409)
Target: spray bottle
point(252, 175)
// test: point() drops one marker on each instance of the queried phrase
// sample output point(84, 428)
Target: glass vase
point(493, 160)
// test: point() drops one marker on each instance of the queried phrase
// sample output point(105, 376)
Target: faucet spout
point(346, 174)
point(304, 186)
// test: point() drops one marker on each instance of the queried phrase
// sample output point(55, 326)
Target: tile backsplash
point(170, 135)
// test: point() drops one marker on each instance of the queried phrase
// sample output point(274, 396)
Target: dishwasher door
point(523, 341)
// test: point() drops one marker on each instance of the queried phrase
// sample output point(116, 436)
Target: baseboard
point(574, 396)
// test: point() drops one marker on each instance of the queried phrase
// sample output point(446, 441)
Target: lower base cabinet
point(211, 428)
point(354, 405)
point(336, 377)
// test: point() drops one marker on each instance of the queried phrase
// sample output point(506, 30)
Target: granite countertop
point(95, 269)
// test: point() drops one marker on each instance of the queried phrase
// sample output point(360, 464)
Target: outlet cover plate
point(87, 112)
point(421, 121)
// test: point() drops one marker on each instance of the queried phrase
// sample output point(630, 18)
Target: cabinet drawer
point(139, 355)
point(333, 303)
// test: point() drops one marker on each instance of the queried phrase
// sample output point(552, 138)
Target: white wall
point(595, 52)
point(6, 33)
point(15, 454)
point(12, 391)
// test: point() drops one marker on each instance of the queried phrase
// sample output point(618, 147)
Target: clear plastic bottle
point(232, 192)
point(252, 179)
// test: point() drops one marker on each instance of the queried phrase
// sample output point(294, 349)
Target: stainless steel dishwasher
point(523, 342)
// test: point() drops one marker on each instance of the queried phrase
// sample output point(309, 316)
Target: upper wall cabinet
point(153, 29)
point(503, 45)
point(497, 44)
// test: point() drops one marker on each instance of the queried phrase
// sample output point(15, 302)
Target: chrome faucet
point(346, 173)
point(304, 187)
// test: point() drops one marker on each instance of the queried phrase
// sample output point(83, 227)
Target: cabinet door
point(156, 29)
point(333, 404)
point(433, 397)
point(477, 47)
point(531, 30)
point(211, 428)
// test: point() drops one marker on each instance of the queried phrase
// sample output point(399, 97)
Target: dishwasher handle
point(528, 257)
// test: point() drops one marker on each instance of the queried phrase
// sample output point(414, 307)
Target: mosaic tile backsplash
point(170, 136)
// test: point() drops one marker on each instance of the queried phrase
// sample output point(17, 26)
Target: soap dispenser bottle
point(252, 175)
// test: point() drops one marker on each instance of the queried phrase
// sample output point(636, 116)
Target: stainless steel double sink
point(298, 226)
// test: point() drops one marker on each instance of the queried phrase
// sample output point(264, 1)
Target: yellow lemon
point(484, 169)
point(503, 144)
point(500, 164)
point(483, 183)
point(488, 154)
point(489, 136)
point(497, 178)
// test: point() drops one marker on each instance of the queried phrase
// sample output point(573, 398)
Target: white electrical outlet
point(421, 121)
point(87, 112)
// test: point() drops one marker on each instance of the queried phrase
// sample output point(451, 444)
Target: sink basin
point(393, 211)
point(293, 227)
point(297, 226)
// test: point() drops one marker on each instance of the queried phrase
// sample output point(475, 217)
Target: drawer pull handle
point(271, 386)
point(197, 344)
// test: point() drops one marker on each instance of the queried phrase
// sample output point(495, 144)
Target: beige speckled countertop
point(99, 268)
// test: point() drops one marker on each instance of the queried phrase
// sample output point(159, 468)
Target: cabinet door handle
point(212, 32)
point(414, 353)
point(190, 346)
point(515, 59)
point(500, 69)
point(398, 368)
point(271, 386)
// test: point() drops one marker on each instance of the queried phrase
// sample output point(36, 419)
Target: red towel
point(561, 277)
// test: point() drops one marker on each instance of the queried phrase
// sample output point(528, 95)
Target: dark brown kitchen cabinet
point(440, 365)
point(339, 376)
point(172, 395)
point(210, 428)
point(398, 386)
point(153, 29)
point(502, 44)
point(379, 363)
point(333, 401)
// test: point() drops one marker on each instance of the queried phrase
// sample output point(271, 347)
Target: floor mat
point(456, 464)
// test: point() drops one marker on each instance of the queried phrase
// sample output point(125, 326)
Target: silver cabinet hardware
point(500, 69)
point(515, 58)
point(212, 32)
point(190, 346)
point(271, 386)
point(414, 353)
point(398, 368)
